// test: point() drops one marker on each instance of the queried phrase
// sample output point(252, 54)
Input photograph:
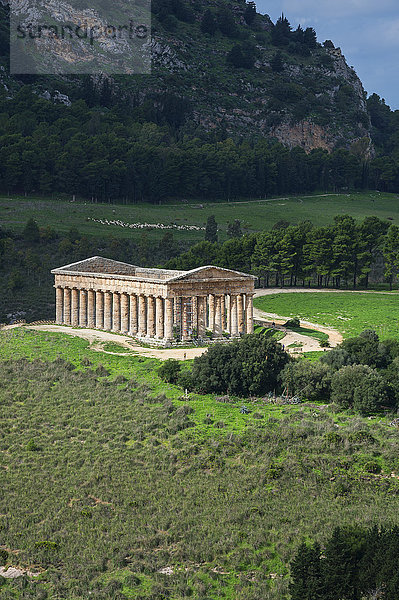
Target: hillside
point(178, 498)
point(222, 67)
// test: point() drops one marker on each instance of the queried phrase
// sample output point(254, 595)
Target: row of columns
point(155, 317)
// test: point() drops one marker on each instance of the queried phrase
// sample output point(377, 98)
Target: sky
point(367, 31)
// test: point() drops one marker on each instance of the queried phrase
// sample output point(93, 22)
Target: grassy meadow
point(62, 215)
point(114, 486)
point(350, 313)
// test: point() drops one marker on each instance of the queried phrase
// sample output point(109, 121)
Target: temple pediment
point(210, 272)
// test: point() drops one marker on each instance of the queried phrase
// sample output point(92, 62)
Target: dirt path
point(293, 342)
point(98, 338)
point(334, 336)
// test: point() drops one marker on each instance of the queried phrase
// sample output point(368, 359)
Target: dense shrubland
point(104, 485)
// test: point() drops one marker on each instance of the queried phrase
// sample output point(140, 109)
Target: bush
point(185, 380)
point(31, 446)
point(336, 359)
point(307, 380)
point(359, 387)
point(101, 371)
point(247, 367)
point(169, 370)
point(366, 349)
point(3, 557)
point(295, 322)
point(372, 466)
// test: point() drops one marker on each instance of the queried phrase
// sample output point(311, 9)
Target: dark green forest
point(355, 563)
point(113, 156)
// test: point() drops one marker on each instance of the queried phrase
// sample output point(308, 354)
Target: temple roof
point(102, 267)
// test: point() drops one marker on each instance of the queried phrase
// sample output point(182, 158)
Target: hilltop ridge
point(222, 67)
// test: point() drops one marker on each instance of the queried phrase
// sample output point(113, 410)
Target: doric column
point(108, 311)
point(185, 319)
point(151, 316)
point(91, 309)
point(249, 313)
point(160, 318)
point(116, 312)
point(177, 314)
point(240, 313)
point(99, 309)
point(218, 316)
point(234, 322)
point(201, 308)
point(133, 315)
point(211, 316)
point(228, 305)
point(67, 306)
point(75, 307)
point(223, 309)
point(59, 304)
point(194, 316)
point(124, 313)
point(169, 318)
point(83, 308)
point(142, 316)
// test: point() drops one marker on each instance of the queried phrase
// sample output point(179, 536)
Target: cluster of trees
point(301, 41)
point(355, 563)
point(342, 253)
point(361, 374)
point(385, 135)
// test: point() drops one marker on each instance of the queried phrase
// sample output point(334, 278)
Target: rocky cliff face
point(315, 101)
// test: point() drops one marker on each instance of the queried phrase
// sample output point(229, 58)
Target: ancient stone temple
point(155, 305)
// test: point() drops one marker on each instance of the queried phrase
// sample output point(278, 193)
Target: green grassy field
point(254, 215)
point(349, 313)
point(109, 477)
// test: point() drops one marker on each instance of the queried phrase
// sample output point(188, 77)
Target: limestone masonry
point(154, 305)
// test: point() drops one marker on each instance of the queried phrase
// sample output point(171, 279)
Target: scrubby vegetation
point(113, 484)
point(246, 367)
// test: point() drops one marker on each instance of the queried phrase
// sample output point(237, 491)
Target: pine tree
point(234, 229)
point(250, 13)
point(208, 23)
point(276, 63)
point(391, 253)
point(226, 23)
point(31, 232)
point(310, 38)
point(281, 32)
point(306, 574)
point(211, 230)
